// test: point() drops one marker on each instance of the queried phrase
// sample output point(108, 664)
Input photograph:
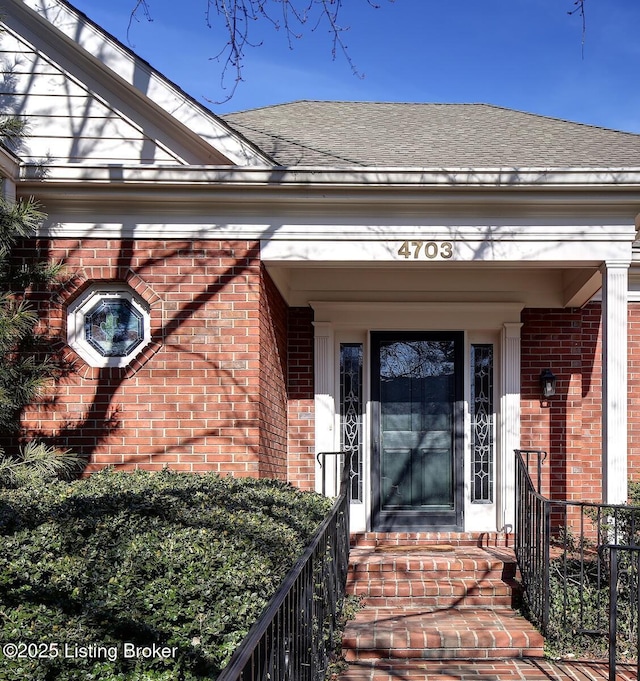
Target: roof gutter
point(503, 178)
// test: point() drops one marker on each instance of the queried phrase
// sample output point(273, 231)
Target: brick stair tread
point(476, 563)
point(462, 593)
point(433, 587)
point(450, 633)
point(442, 670)
point(433, 602)
point(457, 539)
point(434, 595)
point(483, 670)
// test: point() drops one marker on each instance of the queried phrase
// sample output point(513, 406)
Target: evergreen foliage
point(27, 371)
point(180, 561)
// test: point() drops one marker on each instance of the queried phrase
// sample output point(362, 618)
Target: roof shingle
point(405, 135)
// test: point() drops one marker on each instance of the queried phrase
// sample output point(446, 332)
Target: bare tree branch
point(239, 17)
point(579, 10)
point(141, 6)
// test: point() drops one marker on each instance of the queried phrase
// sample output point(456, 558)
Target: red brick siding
point(590, 470)
point(553, 339)
point(227, 383)
point(569, 425)
point(301, 398)
point(634, 391)
point(273, 381)
point(194, 403)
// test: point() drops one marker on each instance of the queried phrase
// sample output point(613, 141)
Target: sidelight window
point(351, 410)
point(482, 424)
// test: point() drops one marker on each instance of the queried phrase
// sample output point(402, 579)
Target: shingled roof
point(379, 134)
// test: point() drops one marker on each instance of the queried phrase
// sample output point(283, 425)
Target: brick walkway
point(484, 670)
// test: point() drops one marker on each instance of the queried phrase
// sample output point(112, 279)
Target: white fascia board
point(554, 251)
point(406, 197)
point(295, 245)
point(498, 178)
point(125, 68)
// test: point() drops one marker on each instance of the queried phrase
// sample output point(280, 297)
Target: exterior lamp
point(548, 383)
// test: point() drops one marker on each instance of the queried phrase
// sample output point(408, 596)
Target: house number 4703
point(426, 249)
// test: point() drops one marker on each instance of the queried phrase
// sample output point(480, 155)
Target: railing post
point(546, 574)
point(613, 608)
point(340, 474)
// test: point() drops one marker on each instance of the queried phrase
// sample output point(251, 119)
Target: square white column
point(614, 381)
point(325, 408)
point(509, 421)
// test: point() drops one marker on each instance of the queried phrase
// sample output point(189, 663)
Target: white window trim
point(78, 309)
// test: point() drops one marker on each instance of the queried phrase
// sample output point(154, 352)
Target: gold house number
point(426, 249)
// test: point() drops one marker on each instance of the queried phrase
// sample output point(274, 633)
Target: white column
point(324, 403)
point(614, 381)
point(509, 421)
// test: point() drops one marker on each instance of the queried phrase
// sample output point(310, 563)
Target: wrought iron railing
point(623, 621)
point(333, 466)
point(532, 543)
point(566, 553)
point(293, 639)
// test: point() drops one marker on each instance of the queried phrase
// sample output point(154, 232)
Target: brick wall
point(634, 391)
point(569, 425)
point(301, 399)
point(193, 399)
point(273, 380)
point(552, 339)
point(227, 381)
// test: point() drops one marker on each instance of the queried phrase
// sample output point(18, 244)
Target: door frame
point(351, 321)
point(419, 519)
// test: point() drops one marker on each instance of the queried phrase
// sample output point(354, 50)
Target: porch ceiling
point(530, 286)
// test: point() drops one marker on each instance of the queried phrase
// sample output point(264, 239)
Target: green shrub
point(186, 562)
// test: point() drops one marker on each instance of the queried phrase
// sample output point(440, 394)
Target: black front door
point(417, 422)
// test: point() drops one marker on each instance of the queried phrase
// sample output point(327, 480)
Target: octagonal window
point(108, 325)
point(114, 327)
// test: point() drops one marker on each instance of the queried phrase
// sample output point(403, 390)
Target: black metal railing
point(623, 621)
point(566, 553)
point(532, 543)
point(333, 468)
point(293, 639)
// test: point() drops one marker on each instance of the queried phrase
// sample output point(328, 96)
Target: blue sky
point(522, 54)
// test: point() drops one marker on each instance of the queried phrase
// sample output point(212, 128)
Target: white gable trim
point(134, 81)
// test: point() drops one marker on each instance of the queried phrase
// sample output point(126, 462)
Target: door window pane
point(417, 387)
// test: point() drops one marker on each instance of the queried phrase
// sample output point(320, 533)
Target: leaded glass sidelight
point(351, 408)
point(482, 424)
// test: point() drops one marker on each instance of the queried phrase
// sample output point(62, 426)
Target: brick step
point(471, 563)
point(409, 633)
point(435, 593)
point(484, 670)
point(455, 539)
